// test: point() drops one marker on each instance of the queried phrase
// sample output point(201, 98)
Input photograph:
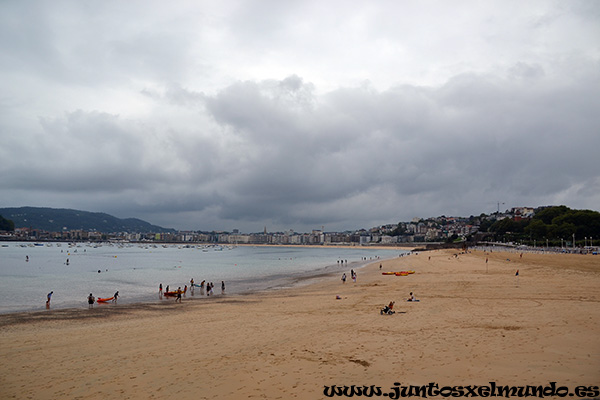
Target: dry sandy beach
point(475, 323)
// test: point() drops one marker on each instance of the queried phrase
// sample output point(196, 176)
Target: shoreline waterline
point(135, 272)
point(106, 310)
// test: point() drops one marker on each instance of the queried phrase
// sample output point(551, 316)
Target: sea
point(29, 271)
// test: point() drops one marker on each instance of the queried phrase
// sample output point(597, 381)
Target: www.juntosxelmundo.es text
point(432, 390)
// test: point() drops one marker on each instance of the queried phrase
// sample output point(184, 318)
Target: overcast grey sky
point(299, 114)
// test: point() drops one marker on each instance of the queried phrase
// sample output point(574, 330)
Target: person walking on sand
point(344, 278)
point(178, 299)
point(116, 295)
point(49, 297)
point(91, 301)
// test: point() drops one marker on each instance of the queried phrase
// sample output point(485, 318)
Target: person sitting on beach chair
point(388, 309)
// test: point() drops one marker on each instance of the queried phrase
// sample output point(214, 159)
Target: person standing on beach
point(91, 301)
point(344, 278)
point(48, 301)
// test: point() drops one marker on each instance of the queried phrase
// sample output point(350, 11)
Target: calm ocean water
point(29, 271)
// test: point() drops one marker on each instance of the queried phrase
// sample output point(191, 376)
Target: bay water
point(29, 271)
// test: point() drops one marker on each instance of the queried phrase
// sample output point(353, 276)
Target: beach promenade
point(476, 322)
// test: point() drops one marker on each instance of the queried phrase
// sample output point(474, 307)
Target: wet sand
point(475, 323)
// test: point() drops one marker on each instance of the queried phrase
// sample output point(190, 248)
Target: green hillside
point(59, 219)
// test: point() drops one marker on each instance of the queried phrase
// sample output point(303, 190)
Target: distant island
point(61, 219)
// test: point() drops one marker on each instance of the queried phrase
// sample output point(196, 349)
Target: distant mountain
point(59, 219)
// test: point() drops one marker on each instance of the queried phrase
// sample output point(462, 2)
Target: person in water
point(49, 297)
point(115, 296)
point(91, 301)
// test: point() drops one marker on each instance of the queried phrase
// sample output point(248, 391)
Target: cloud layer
point(299, 115)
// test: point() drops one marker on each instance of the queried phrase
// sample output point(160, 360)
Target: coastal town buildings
point(440, 229)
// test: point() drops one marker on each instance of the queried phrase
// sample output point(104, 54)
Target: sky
point(302, 115)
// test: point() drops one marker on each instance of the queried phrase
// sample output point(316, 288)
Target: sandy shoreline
point(475, 323)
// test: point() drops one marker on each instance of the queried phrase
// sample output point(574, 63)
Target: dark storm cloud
point(221, 116)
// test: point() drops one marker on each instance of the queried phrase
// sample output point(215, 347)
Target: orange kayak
point(104, 300)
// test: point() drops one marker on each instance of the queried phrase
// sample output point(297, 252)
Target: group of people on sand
point(90, 299)
point(352, 274)
point(389, 309)
point(179, 292)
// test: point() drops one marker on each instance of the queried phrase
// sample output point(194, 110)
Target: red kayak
point(173, 293)
point(104, 300)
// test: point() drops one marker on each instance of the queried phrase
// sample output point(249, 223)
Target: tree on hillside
point(587, 222)
point(6, 224)
point(399, 230)
point(502, 226)
point(548, 214)
point(537, 229)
